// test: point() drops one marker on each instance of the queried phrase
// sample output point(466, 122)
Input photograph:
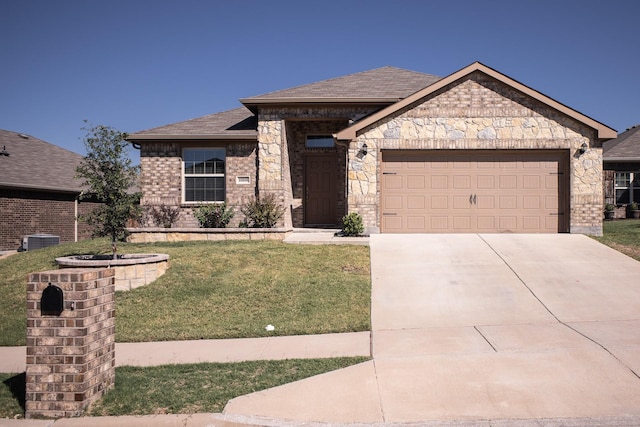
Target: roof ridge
point(331, 79)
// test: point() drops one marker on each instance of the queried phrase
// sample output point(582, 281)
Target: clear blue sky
point(138, 64)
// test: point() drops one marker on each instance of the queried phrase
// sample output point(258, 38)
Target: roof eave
point(622, 159)
point(603, 132)
point(167, 137)
point(19, 186)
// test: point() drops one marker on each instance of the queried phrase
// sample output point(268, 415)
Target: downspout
point(75, 219)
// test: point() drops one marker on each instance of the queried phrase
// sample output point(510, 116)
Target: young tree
point(108, 175)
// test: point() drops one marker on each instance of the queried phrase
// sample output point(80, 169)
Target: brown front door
point(321, 180)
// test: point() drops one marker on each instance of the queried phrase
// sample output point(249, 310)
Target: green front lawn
point(229, 289)
point(623, 236)
point(182, 389)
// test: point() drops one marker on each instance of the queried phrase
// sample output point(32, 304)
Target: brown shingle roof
point(239, 123)
point(382, 85)
point(386, 83)
point(36, 164)
point(626, 147)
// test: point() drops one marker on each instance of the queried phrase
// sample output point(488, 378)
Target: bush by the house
point(162, 215)
point(262, 212)
point(214, 216)
point(352, 224)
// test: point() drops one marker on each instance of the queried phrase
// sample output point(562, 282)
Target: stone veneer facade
point(70, 357)
point(480, 113)
point(281, 144)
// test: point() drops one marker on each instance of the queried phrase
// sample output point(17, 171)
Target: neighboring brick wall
point(161, 177)
point(479, 112)
point(70, 357)
point(32, 212)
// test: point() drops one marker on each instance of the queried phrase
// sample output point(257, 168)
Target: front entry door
point(321, 180)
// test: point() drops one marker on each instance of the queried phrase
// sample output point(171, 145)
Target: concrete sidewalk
point(12, 359)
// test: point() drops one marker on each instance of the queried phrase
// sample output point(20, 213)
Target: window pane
point(623, 179)
point(636, 179)
point(204, 161)
point(622, 196)
point(205, 189)
point(320, 141)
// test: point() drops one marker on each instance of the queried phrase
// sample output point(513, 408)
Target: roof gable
point(385, 84)
point(36, 164)
point(626, 147)
point(603, 132)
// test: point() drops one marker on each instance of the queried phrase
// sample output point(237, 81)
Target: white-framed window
point(627, 186)
point(203, 174)
point(320, 141)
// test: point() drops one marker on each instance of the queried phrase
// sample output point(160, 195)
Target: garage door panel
point(394, 202)
point(439, 202)
point(531, 202)
point(473, 191)
point(439, 182)
point(508, 202)
point(461, 182)
point(415, 223)
point(416, 202)
point(392, 224)
point(462, 223)
point(439, 223)
point(531, 182)
point(416, 182)
point(486, 223)
point(485, 182)
point(507, 182)
point(486, 202)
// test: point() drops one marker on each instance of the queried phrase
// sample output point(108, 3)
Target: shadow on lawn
point(17, 386)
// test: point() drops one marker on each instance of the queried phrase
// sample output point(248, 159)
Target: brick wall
point(161, 177)
point(70, 357)
point(32, 212)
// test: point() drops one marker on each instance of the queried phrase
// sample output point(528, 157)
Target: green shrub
point(262, 212)
point(352, 224)
point(163, 215)
point(214, 216)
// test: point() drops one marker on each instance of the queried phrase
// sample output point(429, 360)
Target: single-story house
point(38, 191)
point(475, 151)
point(621, 157)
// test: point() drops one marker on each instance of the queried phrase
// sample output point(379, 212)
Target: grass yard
point(229, 289)
point(623, 236)
point(182, 389)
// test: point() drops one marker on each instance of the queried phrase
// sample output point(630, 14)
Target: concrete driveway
point(473, 328)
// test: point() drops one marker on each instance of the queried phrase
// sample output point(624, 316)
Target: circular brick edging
point(131, 270)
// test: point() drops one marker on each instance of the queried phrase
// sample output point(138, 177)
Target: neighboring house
point(622, 168)
point(475, 151)
point(38, 191)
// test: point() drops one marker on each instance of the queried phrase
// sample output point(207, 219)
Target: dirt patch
point(632, 251)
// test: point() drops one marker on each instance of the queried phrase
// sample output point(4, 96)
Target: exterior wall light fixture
point(364, 149)
point(583, 148)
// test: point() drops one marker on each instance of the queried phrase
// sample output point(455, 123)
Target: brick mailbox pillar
point(70, 340)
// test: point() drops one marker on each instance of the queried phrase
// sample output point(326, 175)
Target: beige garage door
point(473, 191)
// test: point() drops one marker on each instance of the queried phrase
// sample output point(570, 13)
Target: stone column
point(70, 356)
